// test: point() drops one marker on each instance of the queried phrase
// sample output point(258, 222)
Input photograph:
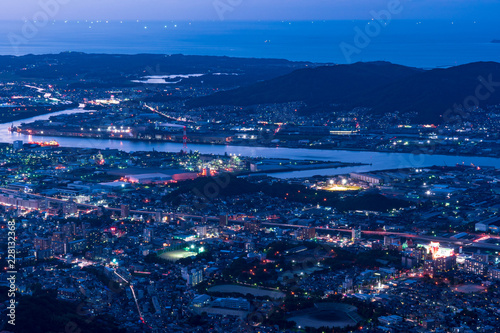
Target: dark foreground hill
point(382, 86)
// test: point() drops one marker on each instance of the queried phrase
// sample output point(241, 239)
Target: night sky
point(244, 9)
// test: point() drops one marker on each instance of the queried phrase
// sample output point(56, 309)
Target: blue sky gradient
point(245, 9)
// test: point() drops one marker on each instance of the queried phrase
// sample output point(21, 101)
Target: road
point(468, 243)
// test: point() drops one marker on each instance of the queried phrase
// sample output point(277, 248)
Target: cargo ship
point(51, 143)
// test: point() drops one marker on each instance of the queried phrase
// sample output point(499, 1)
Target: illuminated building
point(437, 251)
point(444, 264)
point(308, 233)
point(193, 276)
point(69, 208)
point(475, 267)
point(443, 259)
point(201, 301)
point(148, 178)
point(148, 235)
point(201, 230)
point(69, 229)
point(490, 224)
point(252, 227)
point(366, 177)
point(494, 273)
point(461, 258)
point(356, 234)
point(343, 132)
point(77, 245)
point(347, 284)
point(44, 254)
point(93, 237)
point(206, 172)
point(160, 178)
point(41, 243)
point(480, 257)
point(58, 247)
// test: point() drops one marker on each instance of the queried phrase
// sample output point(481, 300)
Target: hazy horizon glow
point(244, 9)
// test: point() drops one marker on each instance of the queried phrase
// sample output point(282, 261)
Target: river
point(376, 161)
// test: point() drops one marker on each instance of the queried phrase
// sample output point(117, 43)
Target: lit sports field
point(176, 255)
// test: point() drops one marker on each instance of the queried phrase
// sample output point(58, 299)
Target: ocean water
point(409, 42)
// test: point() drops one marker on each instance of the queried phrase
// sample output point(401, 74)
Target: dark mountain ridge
point(121, 68)
point(382, 86)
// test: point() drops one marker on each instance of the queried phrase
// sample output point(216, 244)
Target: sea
point(424, 44)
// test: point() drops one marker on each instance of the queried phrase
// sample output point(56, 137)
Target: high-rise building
point(252, 226)
point(124, 211)
point(41, 243)
point(356, 234)
point(475, 267)
point(76, 245)
point(439, 264)
point(158, 216)
point(223, 220)
point(493, 273)
point(480, 257)
point(58, 247)
point(58, 236)
point(69, 208)
point(44, 254)
point(92, 236)
point(444, 264)
point(148, 235)
point(308, 233)
point(347, 284)
point(193, 276)
point(409, 261)
point(69, 229)
point(201, 230)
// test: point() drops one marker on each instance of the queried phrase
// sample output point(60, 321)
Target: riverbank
point(371, 161)
point(434, 150)
point(11, 114)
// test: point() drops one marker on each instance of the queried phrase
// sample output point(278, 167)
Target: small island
point(496, 41)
